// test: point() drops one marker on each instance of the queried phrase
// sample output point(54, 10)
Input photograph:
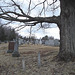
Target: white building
point(52, 42)
point(56, 42)
point(49, 42)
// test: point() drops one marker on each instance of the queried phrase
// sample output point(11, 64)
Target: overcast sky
point(53, 31)
point(42, 32)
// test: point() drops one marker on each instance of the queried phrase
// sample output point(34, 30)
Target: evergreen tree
point(2, 34)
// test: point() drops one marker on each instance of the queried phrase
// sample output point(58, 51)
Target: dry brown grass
point(13, 65)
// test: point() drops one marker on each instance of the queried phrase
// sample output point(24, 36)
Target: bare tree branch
point(21, 28)
point(38, 19)
point(6, 23)
point(52, 3)
point(39, 4)
point(29, 7)
point(18, 7)
point(7, 15)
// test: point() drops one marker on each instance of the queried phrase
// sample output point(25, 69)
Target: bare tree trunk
point(67, 32)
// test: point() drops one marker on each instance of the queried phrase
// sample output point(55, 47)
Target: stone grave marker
point(39, 59)
point(40, 41)
point(16, 52)
point(23, 64)
point(11, 47)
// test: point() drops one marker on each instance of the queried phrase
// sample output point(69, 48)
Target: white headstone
point(39, 60)
point(23, 64)
point(40, 41)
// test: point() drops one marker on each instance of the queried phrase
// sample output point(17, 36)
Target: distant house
point(49, 42)
point(56, 42)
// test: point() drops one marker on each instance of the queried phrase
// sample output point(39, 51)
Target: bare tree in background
point(65, 21)
point(30, 34)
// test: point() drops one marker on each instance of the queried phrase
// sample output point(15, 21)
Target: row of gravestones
point(13, 48)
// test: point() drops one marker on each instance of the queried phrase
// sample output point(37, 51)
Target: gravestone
point(23, 64)
point(39, 59)
point(11, 47)
point(15, 52)
point(40, 41)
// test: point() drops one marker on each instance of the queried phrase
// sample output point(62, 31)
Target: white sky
point(40, 33)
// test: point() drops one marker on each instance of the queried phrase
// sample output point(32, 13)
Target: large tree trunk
point(67, 31)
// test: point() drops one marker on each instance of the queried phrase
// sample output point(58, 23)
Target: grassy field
point(29, 54)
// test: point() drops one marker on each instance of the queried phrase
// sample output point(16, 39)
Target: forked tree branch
point(7, 15)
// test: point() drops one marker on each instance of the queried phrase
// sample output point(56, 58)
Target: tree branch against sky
point(18, 13)
point(29, 13)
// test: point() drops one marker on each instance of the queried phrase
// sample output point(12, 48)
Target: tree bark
point(67, 32)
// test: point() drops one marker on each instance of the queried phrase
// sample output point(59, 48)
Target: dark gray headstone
point(15, 52)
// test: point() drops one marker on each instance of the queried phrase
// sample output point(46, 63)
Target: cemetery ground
point(27, 63)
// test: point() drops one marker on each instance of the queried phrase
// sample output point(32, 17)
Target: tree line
point(7, 33)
